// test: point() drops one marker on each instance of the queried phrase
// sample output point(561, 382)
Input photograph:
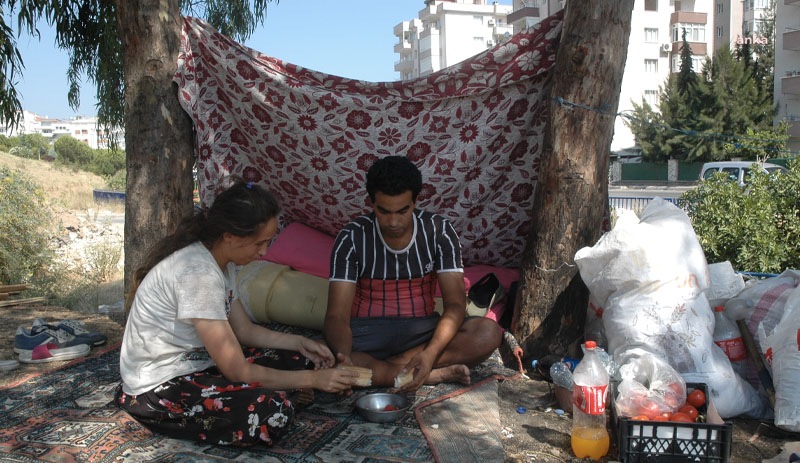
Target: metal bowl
point(373, 407)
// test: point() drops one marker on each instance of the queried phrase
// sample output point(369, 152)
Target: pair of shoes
point(8, 365)
point(76, 328)
point(483, 295)
point(45, 344)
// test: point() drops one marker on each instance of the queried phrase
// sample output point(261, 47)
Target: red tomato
point(689, 410)
point(664, 417)
point(640, 418)
point(681, 417)
point(389, 408)
point(696, 398)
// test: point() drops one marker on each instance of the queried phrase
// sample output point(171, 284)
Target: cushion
point(302, 248)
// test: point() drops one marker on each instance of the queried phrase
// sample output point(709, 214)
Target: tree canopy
point(88, 32)
point(705, 116)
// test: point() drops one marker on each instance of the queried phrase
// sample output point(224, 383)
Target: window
point(720, 8)
point(651, 65)
point(694, 32)
point(651, 35)
point(650, 5)
point(651, 97)
point(719, 31)
point(762, 4)
point(697, 63)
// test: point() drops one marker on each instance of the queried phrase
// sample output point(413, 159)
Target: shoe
point(75, 328)
point(8, 365)
point(47, 345)
point(483, 295)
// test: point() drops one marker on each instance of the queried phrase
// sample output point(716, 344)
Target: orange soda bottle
point(589, 434)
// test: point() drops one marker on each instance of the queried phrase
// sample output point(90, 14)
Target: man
point(384, 270)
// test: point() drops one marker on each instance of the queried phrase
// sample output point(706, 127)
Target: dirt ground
point(532, 431)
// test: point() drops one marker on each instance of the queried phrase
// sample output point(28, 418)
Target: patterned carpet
point(65, 416)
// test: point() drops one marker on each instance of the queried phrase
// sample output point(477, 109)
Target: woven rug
point(67, 416)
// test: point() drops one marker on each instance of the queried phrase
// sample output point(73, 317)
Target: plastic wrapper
point(649, 387)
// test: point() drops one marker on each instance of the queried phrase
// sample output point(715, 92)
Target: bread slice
point(403, 378)
point(364, 374)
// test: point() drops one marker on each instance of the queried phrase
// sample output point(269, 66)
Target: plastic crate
point(672, 442)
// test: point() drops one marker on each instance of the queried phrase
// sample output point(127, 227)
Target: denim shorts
point(384, 337)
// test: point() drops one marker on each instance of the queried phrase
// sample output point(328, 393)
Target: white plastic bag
point(782, 349)
point(650, 275)
point(649, 387)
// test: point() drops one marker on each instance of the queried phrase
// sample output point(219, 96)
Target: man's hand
point(342, 359)
point(421, 365)
point(317, 352)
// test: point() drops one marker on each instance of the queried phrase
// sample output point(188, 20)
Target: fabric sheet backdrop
point(475, 129)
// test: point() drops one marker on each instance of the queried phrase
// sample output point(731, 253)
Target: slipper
point(483, 295)
point(8, 365)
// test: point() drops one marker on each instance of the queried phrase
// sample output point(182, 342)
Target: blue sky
point(350, 38)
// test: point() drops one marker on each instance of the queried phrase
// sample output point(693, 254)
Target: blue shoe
point(73, 327)
point(47, 345)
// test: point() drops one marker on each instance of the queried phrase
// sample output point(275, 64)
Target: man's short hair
point(394, 175)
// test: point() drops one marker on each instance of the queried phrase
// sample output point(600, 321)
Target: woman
point(184, 370)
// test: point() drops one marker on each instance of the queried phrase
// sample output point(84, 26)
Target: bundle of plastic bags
point(649, 275)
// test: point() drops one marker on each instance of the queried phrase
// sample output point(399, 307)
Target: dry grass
point(62, 186)
point(68, 192)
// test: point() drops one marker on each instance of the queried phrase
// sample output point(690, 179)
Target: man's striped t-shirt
point(395, 283)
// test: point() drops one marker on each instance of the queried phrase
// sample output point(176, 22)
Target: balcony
point(688, 17)
point(791, 39)
point(527, 12)
point(400, 47)
point(790, 85)
point(404, 66)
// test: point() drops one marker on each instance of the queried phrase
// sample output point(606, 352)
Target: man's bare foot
point(451, 374)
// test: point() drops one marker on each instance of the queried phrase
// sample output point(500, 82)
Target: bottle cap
point(719, 308)
point(590, 344)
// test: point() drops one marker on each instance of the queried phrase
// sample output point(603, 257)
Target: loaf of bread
point(364, 375)
point(403, 378)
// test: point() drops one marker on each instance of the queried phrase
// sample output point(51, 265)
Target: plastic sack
point(762, 305)
point(782, 348)
point(649, 387)
point(650, 276)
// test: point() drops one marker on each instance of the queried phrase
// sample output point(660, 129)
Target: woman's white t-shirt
point(160, 341)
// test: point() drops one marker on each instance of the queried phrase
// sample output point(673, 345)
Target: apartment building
point(447, 32)
point(653, 53)
point(81, 128)
point(787, 68)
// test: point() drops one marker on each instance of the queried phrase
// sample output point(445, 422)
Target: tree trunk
point(158, 133)
point(570, 204)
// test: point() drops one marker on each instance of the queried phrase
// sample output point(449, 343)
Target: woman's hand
point(335, 380)
point(316, 351)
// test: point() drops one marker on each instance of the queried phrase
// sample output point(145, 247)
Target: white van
point(737, 170)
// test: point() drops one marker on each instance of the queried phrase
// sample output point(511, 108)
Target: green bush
point(756, 228)
point(72, 152)
point(117, 181)
point(26, 227)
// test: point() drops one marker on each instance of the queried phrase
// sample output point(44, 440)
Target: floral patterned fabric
point(475, 130)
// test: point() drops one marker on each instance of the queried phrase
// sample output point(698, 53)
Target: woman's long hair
point(239, 210)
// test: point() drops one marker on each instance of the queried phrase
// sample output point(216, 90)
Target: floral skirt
point(204, 406)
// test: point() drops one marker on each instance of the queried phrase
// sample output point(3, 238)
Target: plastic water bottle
point(561, 375)
point(589, 434)
point(728, 337)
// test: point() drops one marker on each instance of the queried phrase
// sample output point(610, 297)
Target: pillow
point(302, 248)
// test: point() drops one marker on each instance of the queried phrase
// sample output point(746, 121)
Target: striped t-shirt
point(395, 283)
